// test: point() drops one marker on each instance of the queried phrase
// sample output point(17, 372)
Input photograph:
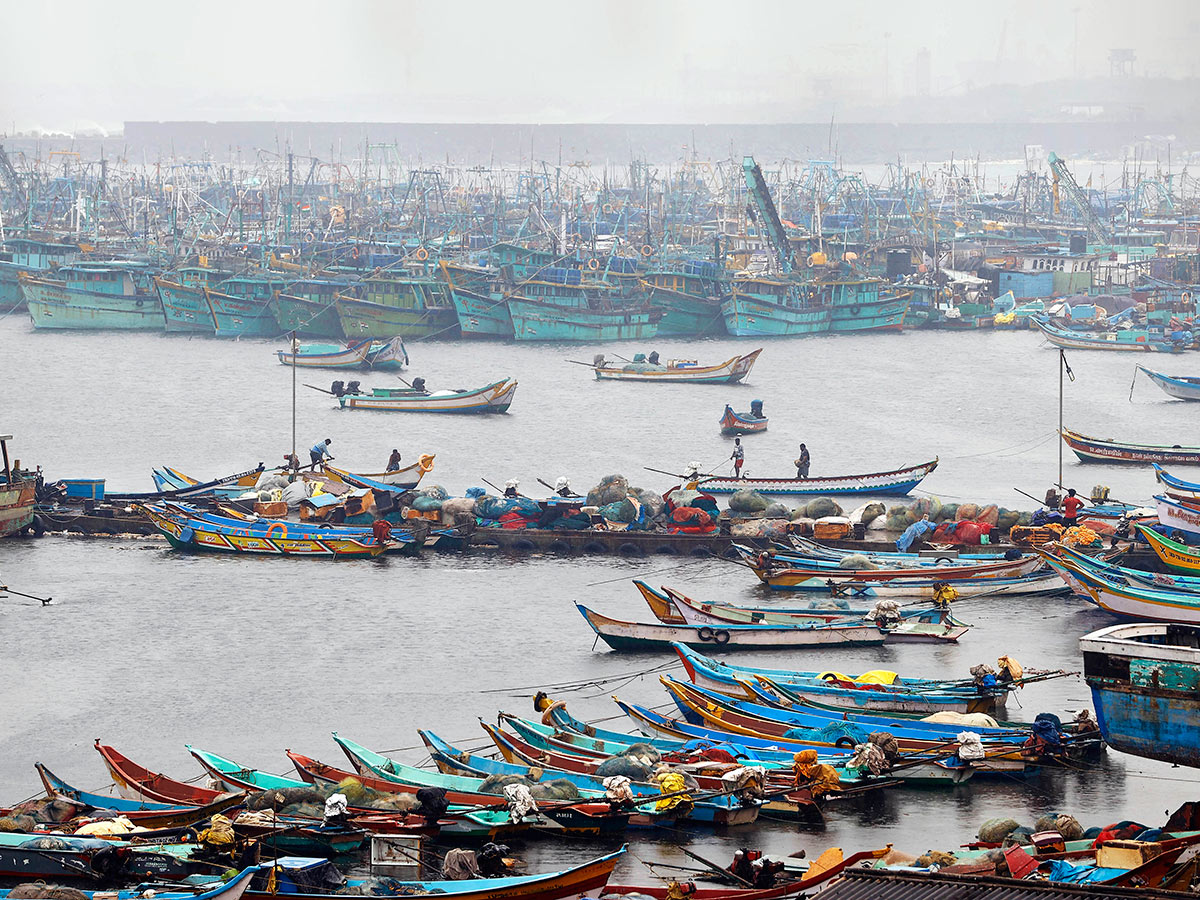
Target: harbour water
point(147, 649)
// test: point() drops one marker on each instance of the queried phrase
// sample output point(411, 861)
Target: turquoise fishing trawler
point(103, 295)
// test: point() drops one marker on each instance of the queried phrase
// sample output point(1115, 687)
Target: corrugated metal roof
point(873, 884)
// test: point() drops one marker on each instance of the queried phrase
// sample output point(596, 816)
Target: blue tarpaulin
point(912, 532)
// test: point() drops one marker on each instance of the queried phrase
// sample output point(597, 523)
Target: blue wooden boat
point(903, 695)
point(1134, 340)
point(1181, 387)
point(189, 528)
point(496, 397)
point(295, 877)
point(116, 295)
point(1145, 683)
point(1177, 486)
point(1112, 591)
point(1181, 516)
point(184, 308)
point(736, 423)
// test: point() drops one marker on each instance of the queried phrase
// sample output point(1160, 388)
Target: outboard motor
point(338, 389)
point(756, 408)
point(352, 388)
point(653, 358)
point(418, 384)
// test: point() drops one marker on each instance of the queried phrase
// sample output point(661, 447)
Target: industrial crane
point(1065, 181)
point(769, 224)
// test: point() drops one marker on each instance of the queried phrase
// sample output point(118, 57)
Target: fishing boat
point(463, 778)
point(27, 256)
point(1181, 516)
point(188, 528)
point(18, 493)
point(786, 572)
point(146, 813)
point(1173, 554)
point(724, 809)
point(496, 397)
point(297, 876)
point(636, 636)
point(1113, 593)
point(117, 295)
point(925, 625)
point(96, 862)
point(1177, 488)
point(736, 423)
point(896, 483)
point(387, 356)
point(471, 804)
point(1090, 449)
point(662, 604)
point(1145, 683)
point(326, 356)
point(403, 479)
point(1134, 340)
point(1181, 387)
point(678, 371)
point(835, 690)
point(135, 782)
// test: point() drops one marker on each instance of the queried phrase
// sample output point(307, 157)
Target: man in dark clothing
point(802, 462)
point(394, 462)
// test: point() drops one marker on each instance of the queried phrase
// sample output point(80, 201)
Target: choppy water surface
point(148, 649)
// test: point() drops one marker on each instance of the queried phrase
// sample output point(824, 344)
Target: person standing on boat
point(394, 462)
point(1070, 508)
point(738, 456)
point(802, 462)
point(320, 451)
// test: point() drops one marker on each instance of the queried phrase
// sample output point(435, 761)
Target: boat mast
point(4, 439)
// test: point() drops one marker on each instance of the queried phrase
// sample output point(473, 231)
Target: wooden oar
point(46, 601)
point(713, 867)
point(578, 363)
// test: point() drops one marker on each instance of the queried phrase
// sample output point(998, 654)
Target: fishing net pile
point(555, 789)
point(636, 762)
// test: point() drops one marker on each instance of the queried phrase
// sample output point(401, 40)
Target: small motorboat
point(736, 423)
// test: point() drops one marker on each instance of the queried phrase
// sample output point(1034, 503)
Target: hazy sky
point(71, 64)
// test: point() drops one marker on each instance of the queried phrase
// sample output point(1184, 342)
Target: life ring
point(275, 525)
point(647, 250)
point(422, 254)
point(721, 637)
point(705, 633)
point(354, 253)
point(425, 463)
point(139, 302)
point(548, 712)
point(1186, 297)
point(593, 264)
point(855, 310)
point(309, 237)
point(608, 209)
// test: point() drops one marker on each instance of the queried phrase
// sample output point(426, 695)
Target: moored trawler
point(391, 306)
point(17, 494)
point(689, 294)
point(101, 295)
point(1145, 682)
point(31, 257)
